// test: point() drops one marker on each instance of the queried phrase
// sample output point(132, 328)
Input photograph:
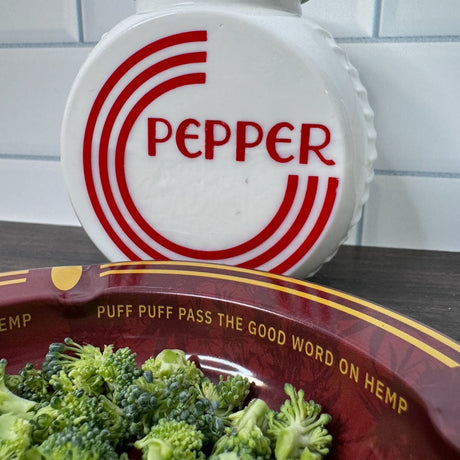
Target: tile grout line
point(377, 18)
point(402, 40)
point(430, 174)
point(79, 8)
point(399, 39)
point(420, 39)
point(76, 44)
point(29, 157)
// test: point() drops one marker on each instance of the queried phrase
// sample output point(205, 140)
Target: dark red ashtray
point(390, 383)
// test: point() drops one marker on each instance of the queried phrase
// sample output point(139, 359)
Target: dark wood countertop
point(424, 285)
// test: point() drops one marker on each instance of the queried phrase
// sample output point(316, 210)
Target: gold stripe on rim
point(13, 281)
point(376, 322)
point(392, 314)
point(17, 272)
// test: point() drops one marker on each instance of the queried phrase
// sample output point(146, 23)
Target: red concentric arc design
point(129, 237)
point(128, 64)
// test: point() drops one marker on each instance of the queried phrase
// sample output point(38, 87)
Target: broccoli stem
point(10, 402)
point(254, 414)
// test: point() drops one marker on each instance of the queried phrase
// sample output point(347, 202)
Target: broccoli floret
point(15, 436)
point(81, 414)
point(234, 456)
point(119, 370)
point(10, 402)
point(233, 390)
point(79, 426)
point(190, 406)
point(183, 393)
point(171, 440)
point(246, 437)
point(31, 383)
point(166, 363)
point(12, 382)
point(167, 374)
point(75, 444)
point(228, 456)
point(208, 406)
point(47, 420)
point(173, 387)
point(70, 366)
point(15, 426)
point(139, 408)
point(227, 395)
point(298, 429)
point(166, 380)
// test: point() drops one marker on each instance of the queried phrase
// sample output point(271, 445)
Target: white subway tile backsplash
point(351, 18)
point(415, 92)
point(34, 191)
point(99, 16)
point(38, 21)
point(413, 212)
point(34, 84)
point(404, 18)
point(406, 51)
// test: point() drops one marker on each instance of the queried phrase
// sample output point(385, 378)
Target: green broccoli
point(228, 394)
point(298, 429)
point(15, 436)
point(139, 408)
point(246, 437)
point(184, 393)
point(171, 440)
point(79, 426)
point(208, 405)
point(12, 382)
point(167, 362)
point(70, 366)
point(15, 427)
point(31, 383)
point(166, 379)
point(81, 412)
point(173, 387)
point(47, 420)
point(190, 406)
point(229, 456)
point(89, 403)
point(9, 401)
point(119, 370)
point(75, 444)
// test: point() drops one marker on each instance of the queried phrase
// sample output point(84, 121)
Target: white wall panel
point(31, 21)
point(34, 191)
point(415, 92)
point(403, 18)
point(406, 51)
point(413, 212)
point(351, 18)
point(34, 84)
point(99, 16)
